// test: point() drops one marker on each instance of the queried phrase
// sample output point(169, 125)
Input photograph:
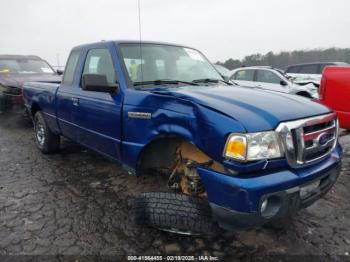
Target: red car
point(334, 92)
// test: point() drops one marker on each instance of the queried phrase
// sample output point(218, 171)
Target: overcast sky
point(220, 28)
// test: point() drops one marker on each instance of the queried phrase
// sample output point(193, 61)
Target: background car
point(271, 79)
point(310, 72)
point(17, 69)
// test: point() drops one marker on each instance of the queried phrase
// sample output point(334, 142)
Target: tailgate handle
point(75, 101)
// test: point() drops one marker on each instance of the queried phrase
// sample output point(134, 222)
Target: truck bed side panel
point(44, 96)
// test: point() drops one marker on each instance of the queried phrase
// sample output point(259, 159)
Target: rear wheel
point(46, 140)
point(175, 212)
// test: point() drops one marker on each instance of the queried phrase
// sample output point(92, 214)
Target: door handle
point(75, 101)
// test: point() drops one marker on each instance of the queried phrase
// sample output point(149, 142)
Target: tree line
point(283, 59)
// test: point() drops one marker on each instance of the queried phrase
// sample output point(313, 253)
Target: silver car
point(271, 79)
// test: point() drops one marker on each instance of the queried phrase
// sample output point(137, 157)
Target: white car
point(271, 79)
point(309, 73)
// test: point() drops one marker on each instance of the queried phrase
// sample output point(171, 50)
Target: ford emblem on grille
point(324, 138)
point(312, 138)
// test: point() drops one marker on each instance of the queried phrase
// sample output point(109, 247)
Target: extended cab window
point(267, 77)
point(70, 68)
point(244, 75)
point(100, 62)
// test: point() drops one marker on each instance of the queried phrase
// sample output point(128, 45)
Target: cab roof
point(127, 42)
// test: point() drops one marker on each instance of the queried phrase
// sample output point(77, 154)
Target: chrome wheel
point(40, 133)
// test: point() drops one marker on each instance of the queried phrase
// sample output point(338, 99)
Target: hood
point(257, 110)
point(17, 80)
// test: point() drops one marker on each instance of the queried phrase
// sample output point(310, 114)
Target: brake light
point(322, 88)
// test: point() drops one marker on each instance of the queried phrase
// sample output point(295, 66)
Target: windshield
point(166, 62)
point(25, 66)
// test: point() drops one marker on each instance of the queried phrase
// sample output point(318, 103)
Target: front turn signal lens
point(236, 147)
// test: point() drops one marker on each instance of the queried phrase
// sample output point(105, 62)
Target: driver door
point(99, 113)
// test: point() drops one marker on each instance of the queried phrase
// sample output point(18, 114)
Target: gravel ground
point(78, 205)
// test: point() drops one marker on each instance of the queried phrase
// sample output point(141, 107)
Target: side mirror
point(97, 83)
point(59, 72)
point(283, 83)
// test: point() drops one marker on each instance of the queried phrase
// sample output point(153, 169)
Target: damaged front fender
point(171, 116)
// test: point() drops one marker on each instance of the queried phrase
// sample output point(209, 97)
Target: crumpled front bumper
point(236, 200)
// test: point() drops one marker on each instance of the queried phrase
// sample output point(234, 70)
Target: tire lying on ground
point(46, 140)
point(175, 212)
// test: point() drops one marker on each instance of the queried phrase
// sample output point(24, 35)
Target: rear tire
point(175, 212)
point(46, 140)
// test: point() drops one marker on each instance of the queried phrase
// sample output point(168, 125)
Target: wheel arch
point(35, 108)
point(160, 152)
point(165, 143)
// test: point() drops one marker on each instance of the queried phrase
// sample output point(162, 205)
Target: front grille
point(308, 140)
point(313, 136)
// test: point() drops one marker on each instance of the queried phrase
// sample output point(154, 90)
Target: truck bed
point(43, 94)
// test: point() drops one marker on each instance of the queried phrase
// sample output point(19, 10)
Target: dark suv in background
point(310, 72)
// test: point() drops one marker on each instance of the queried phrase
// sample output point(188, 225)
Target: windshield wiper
point(210, 80)
point(164, 82)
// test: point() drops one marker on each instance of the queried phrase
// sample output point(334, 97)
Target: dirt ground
point(76, 206)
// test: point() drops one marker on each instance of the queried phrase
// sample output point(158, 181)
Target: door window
point(100, 62)
point(244, 75)
point(267, 77)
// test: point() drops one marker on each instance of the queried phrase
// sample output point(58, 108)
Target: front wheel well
point(34, 108)
point(177, 159)
point(158, 154)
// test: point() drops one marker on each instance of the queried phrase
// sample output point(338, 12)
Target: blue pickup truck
point(226, 156)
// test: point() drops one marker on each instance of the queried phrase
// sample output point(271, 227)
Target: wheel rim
point(40, 133)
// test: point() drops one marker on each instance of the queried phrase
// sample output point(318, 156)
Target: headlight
point(254, 146)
